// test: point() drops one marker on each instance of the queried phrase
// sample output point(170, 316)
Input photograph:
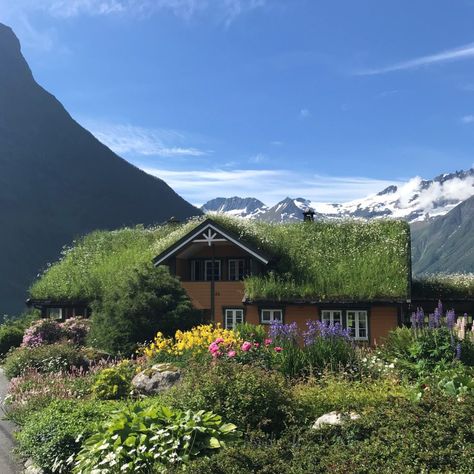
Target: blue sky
point(328, 100)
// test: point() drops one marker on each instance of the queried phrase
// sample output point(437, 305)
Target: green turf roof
point(444, 286)
point(345, 260)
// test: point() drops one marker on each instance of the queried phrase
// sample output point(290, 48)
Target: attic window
point(236, 269)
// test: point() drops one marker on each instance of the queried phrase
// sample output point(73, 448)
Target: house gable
point(210, 233)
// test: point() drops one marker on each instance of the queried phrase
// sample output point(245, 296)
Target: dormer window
point(212, 270)
point(236, 269)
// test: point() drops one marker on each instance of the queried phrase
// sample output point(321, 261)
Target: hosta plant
point(140, 438)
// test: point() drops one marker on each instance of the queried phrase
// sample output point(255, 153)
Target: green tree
point(138, 305)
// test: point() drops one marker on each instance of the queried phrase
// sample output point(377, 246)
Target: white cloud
point(133, 140)
point(305, 113)
point(224, 10)
point(467, 119)
point(258, 158)
point(276, 143)
point(270, 186)
point(456, 54)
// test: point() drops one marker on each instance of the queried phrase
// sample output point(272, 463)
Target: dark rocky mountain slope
point(57, 181)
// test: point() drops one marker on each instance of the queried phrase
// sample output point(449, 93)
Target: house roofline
point(309, 302)
point(215, 226)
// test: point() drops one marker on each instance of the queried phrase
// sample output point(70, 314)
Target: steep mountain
point(57, 181)
point(417, 200)
point(445, 244)
point(235, 206)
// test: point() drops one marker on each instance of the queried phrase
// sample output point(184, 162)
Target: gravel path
point(7, 462)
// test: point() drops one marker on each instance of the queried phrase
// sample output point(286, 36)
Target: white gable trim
point(200, 232)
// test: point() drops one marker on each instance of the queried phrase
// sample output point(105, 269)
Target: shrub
point(138, 438)
point(251, 332)
point(114, 382)
point(44, 359)
point(11, 331)
point(250, 397)
point(34, 391)
point(10, 337)
point(43, 331)
point(52, 436)
point(76, 330)
point(336, 393)
point(434, 435)
point(148, 300)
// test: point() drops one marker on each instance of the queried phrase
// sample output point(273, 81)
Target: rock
point(332, 418)
point(156, 379)
point(31, 468)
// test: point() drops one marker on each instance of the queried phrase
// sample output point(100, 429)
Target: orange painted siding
point(229, 294)
point(382, 320)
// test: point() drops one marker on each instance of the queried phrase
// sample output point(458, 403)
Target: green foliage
point(337, 393)
point(140, 437)
point(52, 436)
point(148, 300)
point(10, 337)
point(420, 352)
point(11, 331)
point(434, 435)
point(250, 397)
point(251, 332)
point(114, 382)
point(362, 260)
point(44, 359)
point(440, 286)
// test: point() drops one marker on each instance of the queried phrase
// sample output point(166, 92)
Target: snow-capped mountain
point(416, 200)
point(235, 206)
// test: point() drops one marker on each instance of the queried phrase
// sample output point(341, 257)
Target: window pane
point(337, 317)
point(211, 270)
point(277, 315)
point(326, 316)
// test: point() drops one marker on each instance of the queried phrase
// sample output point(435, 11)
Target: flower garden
point(246, 400)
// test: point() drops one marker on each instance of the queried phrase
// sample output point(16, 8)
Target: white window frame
point(358, 316)
point(236, 274)
point(219, 266)
point(237, 315)
point(331, 313)
point(271, 315)
point(55, 315)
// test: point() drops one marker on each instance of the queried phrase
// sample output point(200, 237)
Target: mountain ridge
point(57, 181)
point(417, 200)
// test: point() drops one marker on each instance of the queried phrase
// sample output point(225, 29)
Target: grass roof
point(444, 286)
point(346, 260)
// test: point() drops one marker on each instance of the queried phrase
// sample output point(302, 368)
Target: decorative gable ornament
point(210, 237)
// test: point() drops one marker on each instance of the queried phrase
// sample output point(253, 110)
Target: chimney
point(308, 215)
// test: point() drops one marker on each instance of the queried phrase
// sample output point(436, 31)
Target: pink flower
point(231, 354)
point(278, 349)
point(256, 344)
point(267, 342)
point(246, 346)
point(219, 340)
point(213, 348)
point(216, 354)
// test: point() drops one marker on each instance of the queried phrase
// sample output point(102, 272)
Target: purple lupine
point(450, 318)
point(437, 317)
point(458, 351)
point(420, 317)
point(440, 307)
point(324, 330)
point(286, 332)
point(413, 320)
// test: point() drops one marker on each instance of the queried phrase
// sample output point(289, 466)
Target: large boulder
point(332, 418)
point(156, 379)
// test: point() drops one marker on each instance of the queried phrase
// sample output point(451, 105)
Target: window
point(357, 325)
point(54, 313)
point(268, 316)
point(232, 317)
point(212, 272)
point(197, 270)
point(332, 317)
point(236, 269)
